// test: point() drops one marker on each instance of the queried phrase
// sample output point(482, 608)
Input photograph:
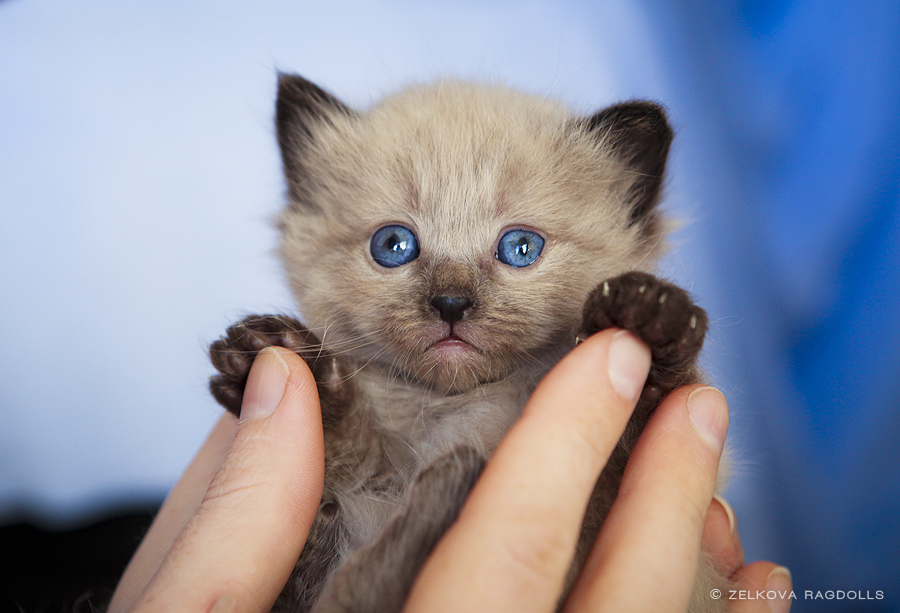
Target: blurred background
point(139, 173)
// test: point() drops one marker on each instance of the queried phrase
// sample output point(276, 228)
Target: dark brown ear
point(301, 105)
point(639, 133)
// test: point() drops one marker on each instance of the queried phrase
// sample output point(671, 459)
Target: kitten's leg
point(233, 355)
point(666, 319)
point(325, 547)
point(377, 578)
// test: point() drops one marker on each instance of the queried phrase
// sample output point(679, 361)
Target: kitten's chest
point(396, 430)
point(430, 424)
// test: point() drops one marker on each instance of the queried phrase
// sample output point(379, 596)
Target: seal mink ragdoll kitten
point(446, 248)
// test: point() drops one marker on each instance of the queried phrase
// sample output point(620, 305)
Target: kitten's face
point(452, 233)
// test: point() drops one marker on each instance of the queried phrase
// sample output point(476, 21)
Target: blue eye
point(393, 246)
point(519, 248)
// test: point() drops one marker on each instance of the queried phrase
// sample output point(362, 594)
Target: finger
point(720, 537)
point(648, 550)
point(237, 551)
point(761, 587)
point(516, 535)
point(181, 503)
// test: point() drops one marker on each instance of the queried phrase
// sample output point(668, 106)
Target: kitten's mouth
point(452, 345)
point(456, 361)
point(451, 340)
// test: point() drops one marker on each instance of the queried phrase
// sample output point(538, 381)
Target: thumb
point(238, 550)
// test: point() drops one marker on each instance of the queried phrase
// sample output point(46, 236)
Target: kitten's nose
point(451, 307)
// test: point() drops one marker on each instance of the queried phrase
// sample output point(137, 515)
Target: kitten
point(446, 248)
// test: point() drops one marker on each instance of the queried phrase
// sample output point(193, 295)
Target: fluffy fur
point(416, 394)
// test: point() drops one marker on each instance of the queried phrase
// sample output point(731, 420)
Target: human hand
point(230, 532)
point(510, 548)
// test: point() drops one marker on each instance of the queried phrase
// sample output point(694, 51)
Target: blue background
point(138, 172)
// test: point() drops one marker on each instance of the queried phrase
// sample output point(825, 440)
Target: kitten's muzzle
point(451, 308)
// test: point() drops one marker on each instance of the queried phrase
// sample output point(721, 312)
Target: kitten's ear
point(301, 105)
point(639, 134)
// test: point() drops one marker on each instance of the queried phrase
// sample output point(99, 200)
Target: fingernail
point(708, 410)
point(627, 365)
point(265, 384)
point(732, 522)
point(225, 604)
point(779, 585)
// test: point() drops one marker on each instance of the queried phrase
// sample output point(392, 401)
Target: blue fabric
point(801, 100)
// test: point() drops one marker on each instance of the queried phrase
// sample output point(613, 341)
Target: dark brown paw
point(233, 355)
point(660, 314)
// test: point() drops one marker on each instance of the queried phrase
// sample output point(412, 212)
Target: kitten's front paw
point(659, 313)
point(233, 355)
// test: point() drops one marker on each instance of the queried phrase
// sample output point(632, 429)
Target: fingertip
point(708, 411)
point(720, 538)
point(291, 360)
point(301, 379)
point(729, 511)
point(625, 358)
point(772, 581)
point(779, 584)
point(279, 377)
point(266, 384)
point(628, 365)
